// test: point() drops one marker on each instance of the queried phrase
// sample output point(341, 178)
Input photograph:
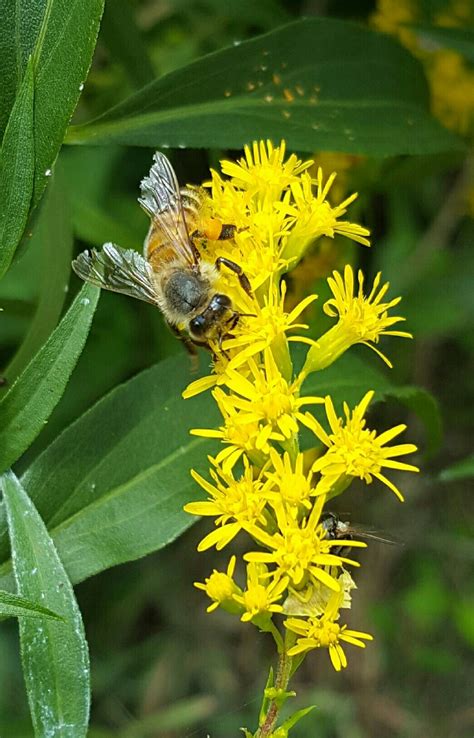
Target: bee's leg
point(185, 340)
point(243, 279)
point(233, 320)
point(188, 344)
point(227, 232)
point(220, 339)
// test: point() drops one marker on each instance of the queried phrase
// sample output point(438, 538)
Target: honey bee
point(336, 529)
point(171, 273)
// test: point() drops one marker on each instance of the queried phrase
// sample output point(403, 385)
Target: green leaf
point(111, 488)
point(463, 469)
point(124, 40)
point(295, 718)
point(320, 83)
point(14, 606)
point(17, 166)
point(53, 237)
point(31, 400)
point(54, 655)
point(457, 39)
point(17, 41)
point(59, 38)
point(63, 53)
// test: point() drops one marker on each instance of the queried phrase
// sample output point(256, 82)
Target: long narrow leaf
point(17, 167)
point(54, 654)
point(63, 53)
point(53, 237)
point(14, 606)
point(323, 84)
point(31, 400)
point(58, 39)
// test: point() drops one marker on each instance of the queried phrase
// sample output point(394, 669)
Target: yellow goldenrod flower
point(267, 327)
point(221, 588)
point(260, 483)
point(311, 216)
point(275, 211)
point(250, 439)
point(324, 632)
point(289, 485)
point(266, 398)
point(261, 596)
point(356, 451)
point(263, 172)
point(361, 319)
point(232, 501)
point(300, 551)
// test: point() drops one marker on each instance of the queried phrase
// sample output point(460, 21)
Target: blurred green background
point(161, 666)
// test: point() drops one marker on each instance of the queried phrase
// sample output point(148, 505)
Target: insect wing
point(161, 199)
point(118, 270)
point(360, 532)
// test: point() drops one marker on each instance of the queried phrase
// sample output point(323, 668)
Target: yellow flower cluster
point(450, 76)
point(261, 485)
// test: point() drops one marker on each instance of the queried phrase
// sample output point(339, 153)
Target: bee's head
point(208, 322)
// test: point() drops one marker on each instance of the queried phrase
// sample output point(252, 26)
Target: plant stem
point(281, 682)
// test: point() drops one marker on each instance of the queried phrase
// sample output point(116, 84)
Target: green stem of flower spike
point(281, 354)
point(331, 345)
point(279, 696)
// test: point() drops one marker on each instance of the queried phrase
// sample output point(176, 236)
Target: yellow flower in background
point(361, 319)
point(324, 632)
point(450, 76)
point(356, 451)
point(392, 16)
point(452, 88)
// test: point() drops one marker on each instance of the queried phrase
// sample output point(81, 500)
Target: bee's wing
point(118, 270)
point(362, 533)
point(161, 199)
